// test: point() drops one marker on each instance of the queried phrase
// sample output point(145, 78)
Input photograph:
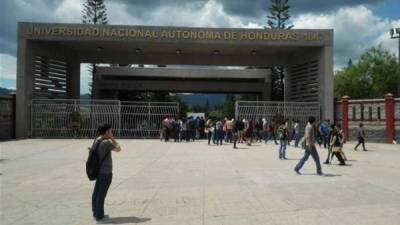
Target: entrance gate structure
point(71, 118)
point(276, 111)
point(49, 58)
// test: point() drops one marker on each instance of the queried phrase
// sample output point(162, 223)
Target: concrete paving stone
point(44, 182)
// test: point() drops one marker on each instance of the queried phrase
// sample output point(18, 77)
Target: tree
point(279, 16)
point(374, 75)
point(94, 12)
point(350, 63)
point(229, 106)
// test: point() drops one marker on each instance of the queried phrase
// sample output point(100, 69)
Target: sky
point(358, 25)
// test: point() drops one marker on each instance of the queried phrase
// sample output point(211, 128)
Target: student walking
point(103, 144)
point(296, 133)
point(336, 145)
point(361, 137)
point(283, 139)
point(310, 148)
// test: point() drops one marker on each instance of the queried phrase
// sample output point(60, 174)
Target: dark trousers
point(209, 134)
point(219, 136)
point(339, 157)
point(234, 137)
point(329, 154)
point(360, 141)
point(103, 182)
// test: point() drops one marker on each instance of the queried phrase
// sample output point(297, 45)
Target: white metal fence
point(277, 111)
point(67, 118)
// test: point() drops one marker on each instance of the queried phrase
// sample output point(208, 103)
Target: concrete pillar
point(345, 116)
point(389, 111)
point(326, 82)
point(75, 76)
point(24, 88)
point(288, 78)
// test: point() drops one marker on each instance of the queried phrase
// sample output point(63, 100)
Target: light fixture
point(138, 50)
point(216, 52)
point(178, 51)
point(254, 52)
point(99, 48)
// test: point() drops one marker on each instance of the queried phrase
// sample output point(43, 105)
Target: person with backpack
point(99, 167)
point(283, 137)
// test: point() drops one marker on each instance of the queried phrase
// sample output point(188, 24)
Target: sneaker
point(320, 173)
point(297, 171)
point(355, 149)
point(102, 218)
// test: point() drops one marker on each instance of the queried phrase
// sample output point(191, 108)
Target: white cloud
point(193, 14)
point(69, 11)
point(355, 30)
point(8, 66)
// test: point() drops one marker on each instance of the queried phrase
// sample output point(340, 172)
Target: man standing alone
point(310, 148)
point(361, 137)
point(105, 144)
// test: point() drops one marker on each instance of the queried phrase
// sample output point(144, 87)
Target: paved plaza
point(44, 182)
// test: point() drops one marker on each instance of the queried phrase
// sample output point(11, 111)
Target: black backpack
point(93, 163)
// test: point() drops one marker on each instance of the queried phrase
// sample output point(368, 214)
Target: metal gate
point(276, 111)
point(69, 118)
point(144, 119)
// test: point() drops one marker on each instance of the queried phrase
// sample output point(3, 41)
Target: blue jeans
point(296, 139)
point(103, 182)
point(219, 136)
point(314, 155)
point(282, 149)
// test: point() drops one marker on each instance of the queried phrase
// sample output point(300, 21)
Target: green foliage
point(375, 74)
point(229, 106)
point(279, 15)
point(94, 12)
point(278, 19)
point(216, 114)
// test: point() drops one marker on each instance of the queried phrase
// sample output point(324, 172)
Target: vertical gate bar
point(31, 132)
point(119, 118)
point(148, 119)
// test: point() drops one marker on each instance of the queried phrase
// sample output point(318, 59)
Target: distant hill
point(5, 91)
point(201, 99)
point(192, 99)
point(85, 96)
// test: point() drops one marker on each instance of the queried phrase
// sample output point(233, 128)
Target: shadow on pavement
point(324, 175)
point(331, 175)
point(122, 220)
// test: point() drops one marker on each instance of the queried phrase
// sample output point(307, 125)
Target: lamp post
point(395, 33)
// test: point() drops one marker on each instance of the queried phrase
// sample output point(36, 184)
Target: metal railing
point(70, 118)
point(276, 111)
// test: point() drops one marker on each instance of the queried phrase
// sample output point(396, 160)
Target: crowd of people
point(246, 131)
